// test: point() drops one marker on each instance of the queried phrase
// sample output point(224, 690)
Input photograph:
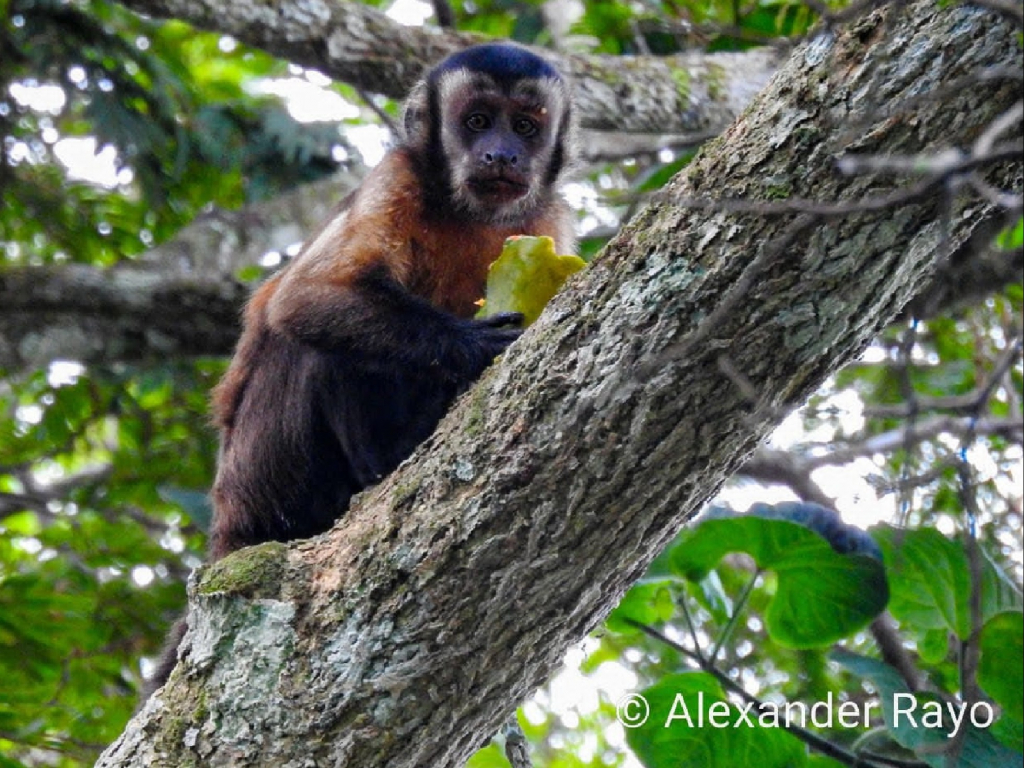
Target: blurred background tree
point(123, 135)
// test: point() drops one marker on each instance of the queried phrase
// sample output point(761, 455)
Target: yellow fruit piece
point(525, 277)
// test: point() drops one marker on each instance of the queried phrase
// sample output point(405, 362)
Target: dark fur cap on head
point(499, 60)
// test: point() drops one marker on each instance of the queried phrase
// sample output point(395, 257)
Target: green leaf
point(251, 273)
point(934, 645)
point(784, 18)
point(1009, 733)
point(690, 723)
point(21, 524)
point(925, 724)
point(711, 595)
point(822, 595)
point(660, 176)
point(1012, 237)
point(488, 757)
point(1000, 671)
point(647, 602)
point(931, 583)
point(525, 277)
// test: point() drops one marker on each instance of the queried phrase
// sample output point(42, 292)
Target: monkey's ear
point(414, 116)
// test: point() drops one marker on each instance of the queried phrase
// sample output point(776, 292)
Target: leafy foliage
point(693, 724)
point(168, 106)
point(680, 722)
point(90, 576)
point(932, 588)
point(925, 723)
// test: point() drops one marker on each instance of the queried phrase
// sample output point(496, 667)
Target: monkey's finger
point(503, 318)
point(505, 335)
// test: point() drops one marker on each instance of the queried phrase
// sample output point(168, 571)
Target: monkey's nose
point(501, 158)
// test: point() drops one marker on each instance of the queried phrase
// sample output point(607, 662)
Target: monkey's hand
point(486, 339)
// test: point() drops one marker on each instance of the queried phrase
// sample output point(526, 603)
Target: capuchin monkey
point(352, 353)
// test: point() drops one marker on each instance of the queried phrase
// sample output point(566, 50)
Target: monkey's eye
point(526, 127)
point(478, 122)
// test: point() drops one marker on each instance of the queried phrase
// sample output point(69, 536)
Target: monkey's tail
point(168, 658)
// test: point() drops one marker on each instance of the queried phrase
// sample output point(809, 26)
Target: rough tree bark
point(447, 594)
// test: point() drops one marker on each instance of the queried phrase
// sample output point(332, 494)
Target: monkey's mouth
point(500, 188)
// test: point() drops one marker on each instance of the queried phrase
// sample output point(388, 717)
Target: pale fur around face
point(547, 102)
point(547, 98)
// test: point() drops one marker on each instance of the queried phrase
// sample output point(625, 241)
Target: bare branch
point(832, 454)
point(692, 93)
point(786, 468)
point(443, 13)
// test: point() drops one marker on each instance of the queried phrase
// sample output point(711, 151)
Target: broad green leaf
point(822, 595)
point(525, 277)
point(931, 583)
point(712, 595)
point(1000, 671)
point(925, 724)
point(690, 723)
point(22, 524)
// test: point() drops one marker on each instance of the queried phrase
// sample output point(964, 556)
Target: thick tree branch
point(974, 271)
point(405, 636)
point(695, 94)
point(186, 288)
point(181, 300)
point(80, 313)
point(785, 468)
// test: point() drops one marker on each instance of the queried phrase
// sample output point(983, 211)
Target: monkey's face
point(500, 141)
